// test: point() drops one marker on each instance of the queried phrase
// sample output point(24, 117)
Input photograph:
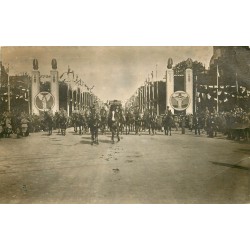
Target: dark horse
point(94, 124)
point(152, 124)
point(63, 124)
point(48, 119)
point(114, 124)
point(103, 114)
point(167, 123)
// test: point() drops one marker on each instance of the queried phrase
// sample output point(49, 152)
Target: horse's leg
point(92, 135)
point(118, 136)
point(113, 135)
point(96, 136)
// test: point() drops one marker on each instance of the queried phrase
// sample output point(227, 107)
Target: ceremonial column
point(54, 85)
point(189, 82)
point(169, 83)
point(35, 87)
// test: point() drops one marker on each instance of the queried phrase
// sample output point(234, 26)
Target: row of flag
point(222, 95)
point(71, 77)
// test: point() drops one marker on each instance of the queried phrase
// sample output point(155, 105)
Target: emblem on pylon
point(180, 100)
point(44, 101)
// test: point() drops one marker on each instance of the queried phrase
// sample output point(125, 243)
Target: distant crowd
point(234, 125)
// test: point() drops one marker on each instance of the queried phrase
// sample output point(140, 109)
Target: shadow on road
point(105, 141)
point(86, 137)
point(88, 141)
point(47, 134)
point(245, 150)
point(85, 142)
point(229, 165)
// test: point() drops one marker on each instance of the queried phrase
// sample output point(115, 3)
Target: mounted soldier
point(114, 120)
point(48, 120)
point(152, 122)
point(104, 119)
point(167, 121)
point(7, 124)
point(94, 124)
point(63, 121)
point(138, 122)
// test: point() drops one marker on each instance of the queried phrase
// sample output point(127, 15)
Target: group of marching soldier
point(235, 124)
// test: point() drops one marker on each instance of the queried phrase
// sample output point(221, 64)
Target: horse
point(74, 118)
point(114, 124)
point(56, 121)
point(63, 121)
point(7, 126)
point(138, 123)
point(94, 124)
point(48, 119)
point(80, 122)
point(104, 118)
point(167, 123)
point(152, 124)
point(129, 122)
point(122, 121)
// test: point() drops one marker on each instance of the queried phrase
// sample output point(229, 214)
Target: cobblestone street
point(138, 169)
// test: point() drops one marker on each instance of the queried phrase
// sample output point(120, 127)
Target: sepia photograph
point(125, 125)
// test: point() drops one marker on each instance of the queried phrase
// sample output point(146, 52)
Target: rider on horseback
point(94, 124)
point(114, 122)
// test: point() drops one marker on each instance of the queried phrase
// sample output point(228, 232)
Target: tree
point(198, 68)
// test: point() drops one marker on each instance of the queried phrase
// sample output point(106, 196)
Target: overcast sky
point(116, 72)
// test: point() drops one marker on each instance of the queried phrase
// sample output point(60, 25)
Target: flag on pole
point(236, 82)
point(217, 99)
point(218, 74)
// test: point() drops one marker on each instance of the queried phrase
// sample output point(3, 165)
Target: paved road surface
point(139, 169)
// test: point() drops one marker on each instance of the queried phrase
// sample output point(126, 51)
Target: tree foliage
point(198, 68)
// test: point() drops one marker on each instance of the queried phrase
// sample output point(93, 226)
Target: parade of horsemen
point(116, 121)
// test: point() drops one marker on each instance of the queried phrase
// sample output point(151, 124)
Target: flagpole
point(236, 82)
point(237, 88)
point(146, 87)
point(149, 93)
point(195, 102)
point(8, 88)
point(157, 92)
point(217, 96)
point(153, 90)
